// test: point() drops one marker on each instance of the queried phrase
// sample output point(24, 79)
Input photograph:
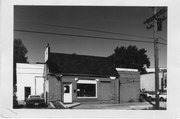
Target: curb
point(51, 105)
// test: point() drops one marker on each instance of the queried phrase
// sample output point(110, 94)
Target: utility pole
point(157, 26)
point(156, 60)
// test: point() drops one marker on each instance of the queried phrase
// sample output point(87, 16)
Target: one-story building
point(29, 80)
point(79, 78)
point(129, 85)
point(148, 80)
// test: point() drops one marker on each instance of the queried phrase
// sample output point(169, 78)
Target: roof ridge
point(78, 55)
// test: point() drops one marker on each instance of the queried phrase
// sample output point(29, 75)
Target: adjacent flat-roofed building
point(148, 80)
point(29, 80)
point(129, 88)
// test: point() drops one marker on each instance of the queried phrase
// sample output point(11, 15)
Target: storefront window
point(86, 90)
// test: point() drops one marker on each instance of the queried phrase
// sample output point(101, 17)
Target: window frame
point(87, 81)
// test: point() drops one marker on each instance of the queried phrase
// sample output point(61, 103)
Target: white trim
point(87, 81)
point(112, 77)
point(82, 81)
point(46, 54)
point(68, 96)
point(126, 69)
point(97, 79)
point(76, 79)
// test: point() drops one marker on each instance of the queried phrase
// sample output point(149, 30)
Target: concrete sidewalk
point(121, 106)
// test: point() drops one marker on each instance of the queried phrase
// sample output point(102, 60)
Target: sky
point(71, 20)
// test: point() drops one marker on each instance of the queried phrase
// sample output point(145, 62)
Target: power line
point(162, 43)
point(93, 30)
point(161, 38)
point(87, 36)
point(84, 36)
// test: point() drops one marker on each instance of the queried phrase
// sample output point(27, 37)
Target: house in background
point(29, 80)
point(129, 84)
point(148, 80)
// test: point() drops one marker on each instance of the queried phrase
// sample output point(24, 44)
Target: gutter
point(83, 75)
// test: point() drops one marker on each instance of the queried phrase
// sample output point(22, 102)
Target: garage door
point(106, 94)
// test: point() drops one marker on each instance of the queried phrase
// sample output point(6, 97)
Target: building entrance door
point(67, 92)
point(27, 92)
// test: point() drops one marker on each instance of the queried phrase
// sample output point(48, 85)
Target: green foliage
point(20, 52)
point(130, 57)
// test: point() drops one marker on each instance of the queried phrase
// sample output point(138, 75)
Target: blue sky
point(124, 20)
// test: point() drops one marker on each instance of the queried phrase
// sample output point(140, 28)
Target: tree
point(130, 57)
point(20, 52)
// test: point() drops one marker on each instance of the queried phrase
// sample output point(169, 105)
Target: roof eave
point(85, 75)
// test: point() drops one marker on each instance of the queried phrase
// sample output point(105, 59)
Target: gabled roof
point(81, 65)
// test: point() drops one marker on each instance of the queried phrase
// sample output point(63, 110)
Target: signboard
point(47, 53)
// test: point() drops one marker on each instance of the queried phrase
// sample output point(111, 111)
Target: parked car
point(35, 101)
point(151, 96)
point(163, 96)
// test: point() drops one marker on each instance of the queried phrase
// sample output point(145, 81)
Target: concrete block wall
point(129, 86)
point(54, 89)
point(107, 90)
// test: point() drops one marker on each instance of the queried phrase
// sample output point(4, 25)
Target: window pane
point(86, 90)
point(66, 89)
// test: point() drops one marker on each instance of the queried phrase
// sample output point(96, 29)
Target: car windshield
point(35, 96)
point(163, 93)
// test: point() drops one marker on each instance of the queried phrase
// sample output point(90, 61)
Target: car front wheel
point(150, 98)
point(161, 99)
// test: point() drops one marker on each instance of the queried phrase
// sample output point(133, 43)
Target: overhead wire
point(86, 29)
point(163, 39)
point(84, 36)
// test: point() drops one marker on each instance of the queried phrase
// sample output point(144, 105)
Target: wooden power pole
point(156, 60)
point(157, 26)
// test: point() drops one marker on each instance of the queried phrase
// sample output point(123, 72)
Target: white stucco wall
point(26, 76)
point(148, 81)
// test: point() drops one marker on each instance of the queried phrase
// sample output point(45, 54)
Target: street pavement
point(121, 106)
